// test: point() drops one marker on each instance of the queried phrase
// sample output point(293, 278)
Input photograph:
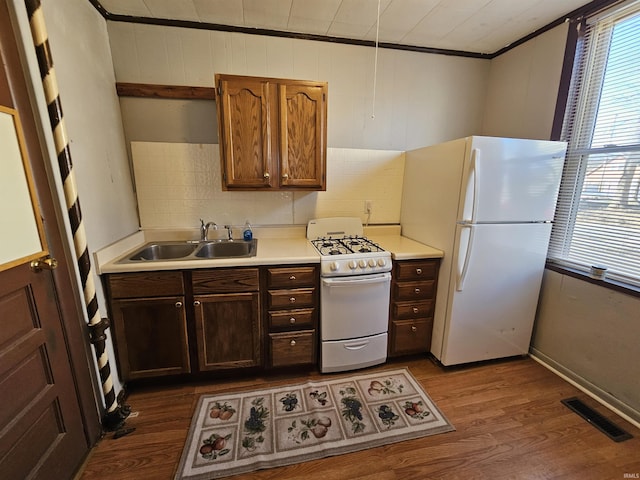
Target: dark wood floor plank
point(509, 423)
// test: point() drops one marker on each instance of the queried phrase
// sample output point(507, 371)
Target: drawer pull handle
point(417, 290)
point(292, 277)
point(292, 299)
point(178, 304)
point(196, 303)
point(292, 320)
point(414, 328)
point(418, 271)
point(415, 310)
point(293, 343)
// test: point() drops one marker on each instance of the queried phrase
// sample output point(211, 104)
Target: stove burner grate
point(345, 245)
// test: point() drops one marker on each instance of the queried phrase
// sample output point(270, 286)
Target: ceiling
point(477, 26)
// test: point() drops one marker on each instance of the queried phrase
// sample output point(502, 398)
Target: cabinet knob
point(196, 303)
point(415, 310)
point(292, 299)
point(292, 320)
point(266, 176)
point(417, 290)
point(292, 277)
point(285, 176)
point(414, 328)
point(418, 271)
point(178, 304)
point(293, 342)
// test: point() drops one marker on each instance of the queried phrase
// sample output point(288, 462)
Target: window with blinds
point(597, 220)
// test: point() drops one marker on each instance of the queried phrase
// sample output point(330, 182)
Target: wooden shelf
point(165, 91)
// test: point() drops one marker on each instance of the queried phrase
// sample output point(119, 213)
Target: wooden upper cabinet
point(272, 133)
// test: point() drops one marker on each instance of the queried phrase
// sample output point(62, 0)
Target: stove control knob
point(334, 266)
point(362, 264)
point(382, 262)
point(372, 262)
point(353, 264)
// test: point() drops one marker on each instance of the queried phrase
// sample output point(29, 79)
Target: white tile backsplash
point(179, 183)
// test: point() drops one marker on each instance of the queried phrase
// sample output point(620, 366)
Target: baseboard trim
point(623, 410)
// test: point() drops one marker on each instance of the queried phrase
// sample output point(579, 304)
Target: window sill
point(605, 283)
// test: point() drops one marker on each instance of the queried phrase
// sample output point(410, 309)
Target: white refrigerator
point(488, 203)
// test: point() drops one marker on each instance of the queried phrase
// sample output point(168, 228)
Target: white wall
point(523, 87)
point(84, 70)
point(589, 333)
point(420, 98)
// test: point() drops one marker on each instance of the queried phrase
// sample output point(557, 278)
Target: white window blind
point(597, 220)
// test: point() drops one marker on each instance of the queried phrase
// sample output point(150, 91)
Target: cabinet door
point(228, 331)
point(303, 134)
point(246, 142)
point(151, 337)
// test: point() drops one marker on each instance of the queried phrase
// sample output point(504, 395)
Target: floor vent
point(603, 424)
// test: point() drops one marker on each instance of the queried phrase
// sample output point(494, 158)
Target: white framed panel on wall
point(21, 236)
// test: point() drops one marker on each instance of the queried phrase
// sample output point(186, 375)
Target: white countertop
point(276, 246)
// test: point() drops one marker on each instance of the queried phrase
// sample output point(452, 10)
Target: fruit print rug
point(247, 431)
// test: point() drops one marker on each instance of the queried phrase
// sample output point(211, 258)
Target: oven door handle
point(363, 280)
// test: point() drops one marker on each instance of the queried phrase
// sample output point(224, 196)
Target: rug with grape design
point(241, 432)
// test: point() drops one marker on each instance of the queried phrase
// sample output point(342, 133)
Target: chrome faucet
point(229, 231)
point(204, 230)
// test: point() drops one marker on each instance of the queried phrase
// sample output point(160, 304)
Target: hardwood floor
point(509, 423)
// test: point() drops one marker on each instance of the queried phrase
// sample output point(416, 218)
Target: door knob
point(44, 263)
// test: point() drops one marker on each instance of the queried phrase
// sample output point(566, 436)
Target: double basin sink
point(209, 250)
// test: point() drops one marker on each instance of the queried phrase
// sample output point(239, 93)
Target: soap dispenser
point(247, 234)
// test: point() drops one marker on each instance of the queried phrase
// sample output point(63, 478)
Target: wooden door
point(246, 143)
point(48, 413)
point(303, 134)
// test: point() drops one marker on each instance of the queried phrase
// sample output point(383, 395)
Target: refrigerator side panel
point(430, 195)
point(493, 291)
point(511, 180)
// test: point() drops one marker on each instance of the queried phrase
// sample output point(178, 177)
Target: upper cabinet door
point(303, 135)
point(272, 133)
point(244, 117)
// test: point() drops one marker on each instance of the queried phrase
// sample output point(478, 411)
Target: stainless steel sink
point(227, 249)
point(163, 251)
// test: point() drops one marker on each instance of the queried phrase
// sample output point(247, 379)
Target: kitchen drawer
point(290, 319)
point(295, 348)
point(299, 297)
point(420, 309)
point(411, 336)
point(416, 270)
point(414, 290)
point(225, 280)
point(292, 277)
point(145, 284)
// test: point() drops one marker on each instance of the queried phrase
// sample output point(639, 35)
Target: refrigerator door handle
point(471, 194)
point(475, 155)
point(462, 272)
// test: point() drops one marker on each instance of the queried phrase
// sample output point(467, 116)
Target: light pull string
point(375, 65)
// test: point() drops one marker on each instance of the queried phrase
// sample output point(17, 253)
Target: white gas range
point(354, 294)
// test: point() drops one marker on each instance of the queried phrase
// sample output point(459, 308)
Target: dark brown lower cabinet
point(152, 336)
point(227, 318)
point(149, 324)
point(206, 320)
point(413, 291)
point(228, 330)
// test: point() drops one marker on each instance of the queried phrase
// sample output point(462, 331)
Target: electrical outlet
point(368, 206)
